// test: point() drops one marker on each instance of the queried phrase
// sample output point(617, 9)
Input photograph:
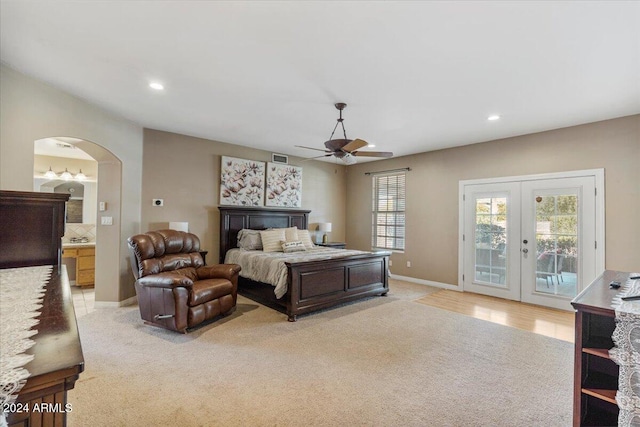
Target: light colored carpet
point(385, 361)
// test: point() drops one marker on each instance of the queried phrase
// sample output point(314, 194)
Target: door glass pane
point(557, 244)
point(491, 241)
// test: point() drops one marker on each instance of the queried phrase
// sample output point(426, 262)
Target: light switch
point(106, 220)
point(102, 206)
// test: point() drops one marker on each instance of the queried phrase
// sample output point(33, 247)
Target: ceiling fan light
point(50, 174)
point(348, 159)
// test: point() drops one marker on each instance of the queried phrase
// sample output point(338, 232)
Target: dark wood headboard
point(235, 218)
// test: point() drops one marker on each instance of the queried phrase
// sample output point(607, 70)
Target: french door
point(531, 240)
point(492, 232)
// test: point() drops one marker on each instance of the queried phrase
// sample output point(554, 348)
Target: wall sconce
point(66, 175)
point(325, 227)
point(50, 174)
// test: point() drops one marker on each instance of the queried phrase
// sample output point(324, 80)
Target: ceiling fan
point(346, 149)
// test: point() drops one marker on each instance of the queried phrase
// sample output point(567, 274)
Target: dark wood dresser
point(595, 373)
point(31, 235)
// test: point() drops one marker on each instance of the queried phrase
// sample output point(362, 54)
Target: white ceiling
point(417, 76)
point(60, 147)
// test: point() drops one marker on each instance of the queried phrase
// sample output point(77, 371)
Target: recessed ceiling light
point(494, 117)
point(156, 86)
point(371, 145)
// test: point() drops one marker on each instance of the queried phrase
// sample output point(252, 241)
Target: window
point(388, 211)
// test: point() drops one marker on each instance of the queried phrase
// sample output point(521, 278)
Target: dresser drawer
point(85, 277)
point(86, 262)
point(86, 251)
point(69, 253)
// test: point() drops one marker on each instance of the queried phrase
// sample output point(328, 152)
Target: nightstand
point(335, 245)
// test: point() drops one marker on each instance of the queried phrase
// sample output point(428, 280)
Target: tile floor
point(83, 300)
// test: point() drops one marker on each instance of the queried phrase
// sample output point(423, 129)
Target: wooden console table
point(595, 373)
point(31, 235)
point(57, 361)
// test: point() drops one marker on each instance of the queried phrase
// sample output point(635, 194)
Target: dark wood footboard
point(315, 285)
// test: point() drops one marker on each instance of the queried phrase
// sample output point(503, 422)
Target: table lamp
point(325, 227)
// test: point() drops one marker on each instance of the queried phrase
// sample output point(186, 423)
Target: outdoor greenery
point(556, 225)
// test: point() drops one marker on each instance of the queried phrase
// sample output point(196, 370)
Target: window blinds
point(389, 211)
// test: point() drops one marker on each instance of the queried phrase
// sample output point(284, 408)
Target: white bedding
point(269, 267)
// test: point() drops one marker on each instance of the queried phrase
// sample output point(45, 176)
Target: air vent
point(62, 145)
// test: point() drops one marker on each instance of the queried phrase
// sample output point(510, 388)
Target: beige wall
point(32, 110)
point(432, 191)
point(185, 172)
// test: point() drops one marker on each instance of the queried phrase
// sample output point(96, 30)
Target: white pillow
point(249, 239)
point(296, 246)
point(272, 239)
point(291, 234)
point(305, 237)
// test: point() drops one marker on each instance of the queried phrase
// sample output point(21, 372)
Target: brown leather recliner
point(175, 289)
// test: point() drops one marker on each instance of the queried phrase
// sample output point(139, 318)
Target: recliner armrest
point(225, 271)
point(165, 280)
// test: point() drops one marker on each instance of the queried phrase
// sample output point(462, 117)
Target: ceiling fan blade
point(317, 157)
point(311, 148)
point(354, 145)
point(372, 154)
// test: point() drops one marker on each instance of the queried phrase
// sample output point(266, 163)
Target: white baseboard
point(115, 304)
point(427, 282)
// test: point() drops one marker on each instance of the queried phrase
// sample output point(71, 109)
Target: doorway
point(102, 198)
point(537, 239)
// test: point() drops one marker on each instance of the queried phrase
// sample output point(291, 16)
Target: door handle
point(525, 250)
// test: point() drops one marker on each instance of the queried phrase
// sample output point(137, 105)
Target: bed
point(311, 285)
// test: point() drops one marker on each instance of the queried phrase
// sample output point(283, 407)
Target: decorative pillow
point(249, 239)
point(305, 237)
point(291, 234)
point(272, 239)
point(296, 246)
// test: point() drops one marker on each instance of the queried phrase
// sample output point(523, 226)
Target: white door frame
point(509, 286)
point(598, 174)
point(583, 187)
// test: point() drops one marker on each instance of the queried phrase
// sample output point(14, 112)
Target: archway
point(104, 203)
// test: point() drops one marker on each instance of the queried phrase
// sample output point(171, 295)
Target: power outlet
point(158, 202)
point(409, 264)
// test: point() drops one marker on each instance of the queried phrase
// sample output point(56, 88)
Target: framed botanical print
point(241, 182)
point(284, 185)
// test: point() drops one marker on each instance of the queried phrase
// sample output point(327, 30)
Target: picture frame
point(284, 186)
point(242, 182)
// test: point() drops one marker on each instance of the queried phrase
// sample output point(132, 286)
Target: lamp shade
point(66, 175)
point(324, 226)
point(179, 226)
point(50, 174)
